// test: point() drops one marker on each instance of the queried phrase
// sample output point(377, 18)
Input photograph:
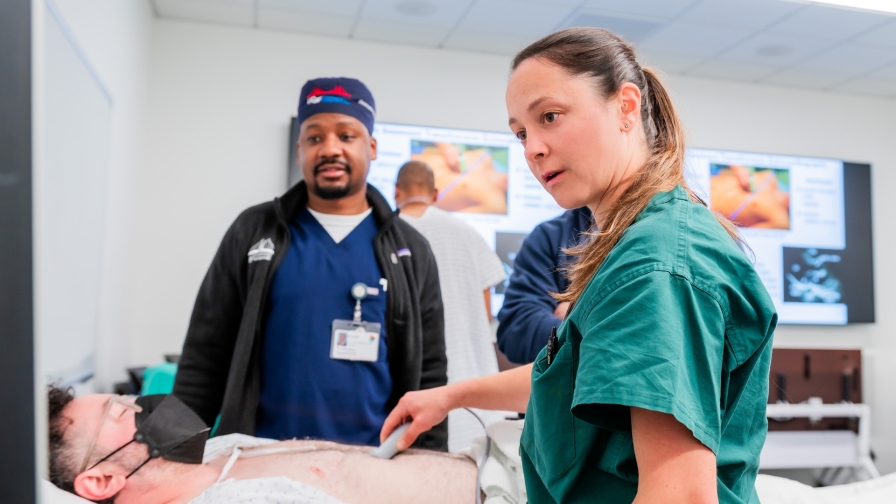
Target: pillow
point(874, 491)
point(51, 494)
point(774, 490)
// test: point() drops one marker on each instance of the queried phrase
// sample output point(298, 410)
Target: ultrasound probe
point(389, 447)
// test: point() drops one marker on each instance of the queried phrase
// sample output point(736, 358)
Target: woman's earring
point(625, 125)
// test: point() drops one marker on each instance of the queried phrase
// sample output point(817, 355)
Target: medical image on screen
point(469, 178)
point(751, 197)
point(507, 246)
point(812, 275)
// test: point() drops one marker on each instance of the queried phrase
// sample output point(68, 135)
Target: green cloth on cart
point(159, 379)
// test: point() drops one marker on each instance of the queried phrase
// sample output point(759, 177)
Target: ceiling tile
point(753, 14)
point(722, 69)
point(870, 86)
point(667, 62)
point(514, 17)
point(472, 40)
point(237, 12)
point(402, 33)
point(631, 28)
point(564, 3)
point(829, 22)
point(770, 41)
point(885, 36)
point(849, 60)
point(445, 13)
point(344, 8)
point(804, 79)
point(702, 40)
point(305, 22)
point(659, 8)
point(888, 72)
point(776, 49)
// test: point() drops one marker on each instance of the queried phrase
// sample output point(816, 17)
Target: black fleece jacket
point(219, 370)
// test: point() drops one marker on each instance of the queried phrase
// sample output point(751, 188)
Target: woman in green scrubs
point(654, 390)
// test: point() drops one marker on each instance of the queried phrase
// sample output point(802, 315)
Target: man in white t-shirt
point(468, 269)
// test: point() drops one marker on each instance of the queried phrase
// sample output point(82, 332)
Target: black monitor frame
point(858, 290)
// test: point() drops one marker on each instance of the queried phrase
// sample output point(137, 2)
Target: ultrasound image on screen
point(812, 275)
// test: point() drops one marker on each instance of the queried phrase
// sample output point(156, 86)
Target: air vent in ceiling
point(632, 30)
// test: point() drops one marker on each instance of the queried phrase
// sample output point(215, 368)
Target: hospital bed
point(502, 477)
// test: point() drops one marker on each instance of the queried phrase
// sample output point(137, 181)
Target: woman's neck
point(618, 185)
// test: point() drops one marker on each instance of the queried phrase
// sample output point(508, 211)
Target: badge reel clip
point(356, 340)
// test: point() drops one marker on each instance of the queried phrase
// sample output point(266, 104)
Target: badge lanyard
point(356, 340)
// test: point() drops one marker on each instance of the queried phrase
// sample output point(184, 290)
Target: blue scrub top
point(305, 393)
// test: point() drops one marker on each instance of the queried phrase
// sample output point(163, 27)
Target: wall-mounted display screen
point(807, 221)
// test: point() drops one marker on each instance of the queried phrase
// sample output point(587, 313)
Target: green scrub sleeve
point(655, 342)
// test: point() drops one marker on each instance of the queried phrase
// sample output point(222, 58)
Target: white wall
point(216, 134)
point(70, 188)
point(114, 36)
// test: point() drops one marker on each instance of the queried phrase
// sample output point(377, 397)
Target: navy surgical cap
point(341, 95)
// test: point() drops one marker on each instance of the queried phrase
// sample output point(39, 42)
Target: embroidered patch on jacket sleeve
point(262, 251)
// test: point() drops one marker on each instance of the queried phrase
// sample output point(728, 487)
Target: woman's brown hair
point(610, 62)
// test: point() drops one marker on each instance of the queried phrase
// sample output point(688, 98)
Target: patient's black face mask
point(169, 428)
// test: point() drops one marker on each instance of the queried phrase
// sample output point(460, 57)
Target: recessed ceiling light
point(773, 51)
point(887, 6)
point(415, 8)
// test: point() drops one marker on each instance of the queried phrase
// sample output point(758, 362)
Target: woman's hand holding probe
point(424, 409)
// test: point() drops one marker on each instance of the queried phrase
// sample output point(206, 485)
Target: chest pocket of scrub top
point(549, 437)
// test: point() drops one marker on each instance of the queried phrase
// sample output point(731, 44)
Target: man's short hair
point(63, 455)
point(415, 176)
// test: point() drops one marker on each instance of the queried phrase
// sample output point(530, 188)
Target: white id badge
point(355, 341)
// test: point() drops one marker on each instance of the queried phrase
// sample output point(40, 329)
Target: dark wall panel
point(17, 463)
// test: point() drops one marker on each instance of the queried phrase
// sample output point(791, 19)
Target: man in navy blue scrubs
point(321, 308)
point(529, 311)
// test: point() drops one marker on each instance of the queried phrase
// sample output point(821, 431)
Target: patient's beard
point(160, 477)
point(132, 457)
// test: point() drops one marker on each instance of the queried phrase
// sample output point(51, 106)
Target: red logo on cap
point(336, 91)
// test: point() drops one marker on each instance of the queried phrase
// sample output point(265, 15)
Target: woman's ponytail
point(667, 138)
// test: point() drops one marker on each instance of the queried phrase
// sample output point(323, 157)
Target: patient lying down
point(93, 454)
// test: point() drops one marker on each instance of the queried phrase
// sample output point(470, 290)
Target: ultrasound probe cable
point(488, 446)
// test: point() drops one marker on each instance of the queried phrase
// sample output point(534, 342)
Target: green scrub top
point(675, 320)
